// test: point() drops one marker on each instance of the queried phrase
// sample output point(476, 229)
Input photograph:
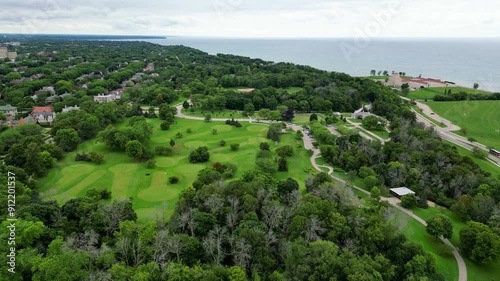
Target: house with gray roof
point(8, 110)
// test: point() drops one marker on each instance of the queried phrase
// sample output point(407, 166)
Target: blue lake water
point(463, 61)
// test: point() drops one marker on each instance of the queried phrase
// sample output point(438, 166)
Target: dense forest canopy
point(255, 227)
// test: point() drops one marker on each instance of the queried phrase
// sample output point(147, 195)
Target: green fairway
point(299, 165)
point(152, 195)
point(481, 119)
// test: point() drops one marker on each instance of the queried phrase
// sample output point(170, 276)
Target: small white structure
point(70, 108)
point(106, 98)
point(401, 191)
point(362, 115)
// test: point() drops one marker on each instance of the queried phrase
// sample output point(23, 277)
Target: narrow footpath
point(462, 269)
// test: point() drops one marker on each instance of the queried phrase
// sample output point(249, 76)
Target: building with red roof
point(43, 114)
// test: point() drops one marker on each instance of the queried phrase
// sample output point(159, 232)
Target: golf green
point(153, 196)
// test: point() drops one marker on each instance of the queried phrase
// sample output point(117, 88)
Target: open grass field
point(474, 271)
point(153, 197)
point(383, 134)
point(480, 118)
point(299, 165)
point(430, 93)
point(303, 118)
point(214, 114)
point(290, 90)
point(415, 232)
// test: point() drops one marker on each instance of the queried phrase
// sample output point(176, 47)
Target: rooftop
point(7, 107)
point(37, 109)
point(402, 191)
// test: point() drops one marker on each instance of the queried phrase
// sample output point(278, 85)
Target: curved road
point(446, 133)
point(462, 269)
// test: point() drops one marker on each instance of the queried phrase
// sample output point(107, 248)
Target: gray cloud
point(276, 18)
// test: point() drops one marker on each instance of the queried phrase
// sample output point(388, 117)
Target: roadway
point(446, 132)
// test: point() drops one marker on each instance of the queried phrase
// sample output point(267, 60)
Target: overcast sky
point(255, 18)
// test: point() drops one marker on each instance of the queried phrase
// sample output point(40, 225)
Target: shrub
point(479, 153)
point(233, 122)
point(235, 146)
point(284, 151)
point(147, 155)
point(229, 170)
point(98, 193)
point(96, 157)
point(409, 201)
point(189, 131)
point(264, 154)
point(163, 150)
point(313, 117)
point(179, 135)
point(82, 157)
point(173, 179)
point(222, 143)
point(165, 126)
point(264, 146)
point(151, 163)
point(282, 164)
point(199, 155)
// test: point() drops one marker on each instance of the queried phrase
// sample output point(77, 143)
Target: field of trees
point(120, 191)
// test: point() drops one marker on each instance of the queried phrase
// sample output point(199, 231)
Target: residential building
point(43, 114)
point(9, 111)
point(101, 98)
point(70, 108)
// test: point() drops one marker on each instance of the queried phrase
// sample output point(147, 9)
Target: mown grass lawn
point(299, 165)
point(474, 271)
point(415, 231)
point(152, 195)
point(214, 114)
point(481, 119)
point(381, 133)
point(303, 118)
point(430, 93)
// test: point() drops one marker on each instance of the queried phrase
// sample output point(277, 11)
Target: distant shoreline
point(14, 37)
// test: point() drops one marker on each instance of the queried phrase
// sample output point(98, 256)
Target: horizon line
point(253, 37)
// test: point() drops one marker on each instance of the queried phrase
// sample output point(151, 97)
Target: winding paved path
point(462, 269)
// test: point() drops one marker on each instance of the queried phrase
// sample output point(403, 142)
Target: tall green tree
point(67, 139)
point(134, 149)
point(439, 225)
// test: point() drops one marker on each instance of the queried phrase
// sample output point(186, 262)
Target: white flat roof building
point(401, 191)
